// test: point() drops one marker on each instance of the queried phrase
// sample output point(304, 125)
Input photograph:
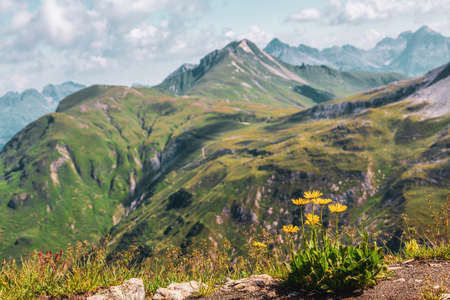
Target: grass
point(86, 268)
point(432, 240)
point(324, 254)
point(433, 292)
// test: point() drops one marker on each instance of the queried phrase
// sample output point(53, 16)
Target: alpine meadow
point(258, 170)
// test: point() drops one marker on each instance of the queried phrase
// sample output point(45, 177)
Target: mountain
point(242, 71)
point(149, 168)
point(296, 56)
point(411, 53)
point(17, 110)
point(425, 49)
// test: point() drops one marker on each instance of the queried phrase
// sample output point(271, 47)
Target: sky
point(142, 41)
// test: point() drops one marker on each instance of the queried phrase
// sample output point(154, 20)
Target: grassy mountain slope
point(382, 160)
point(243, 72)
point(151, 168)
point(72, 174)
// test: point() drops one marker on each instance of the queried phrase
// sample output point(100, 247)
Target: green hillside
point(150, 168)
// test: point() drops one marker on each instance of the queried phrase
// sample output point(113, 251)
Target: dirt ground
point(407, 282)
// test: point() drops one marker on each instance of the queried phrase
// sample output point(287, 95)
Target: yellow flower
point(259, 244)
point(321, 201)
point(290, 228)
point(335, 208)
point(312, 219)
point(300, 201)
point(312, 194)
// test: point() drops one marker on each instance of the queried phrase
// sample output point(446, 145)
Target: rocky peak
point(276, 44)
point(426, 35)
point(307, 49)
point(426, 30)
point(31, 94)
point(183, 68)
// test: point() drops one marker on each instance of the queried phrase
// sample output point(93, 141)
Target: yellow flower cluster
point(290, 228)
point(336, 208)
point(259, 245)
point(312, 194)
point(300, 201)
point(313, 197)
point(321, 201)
point(312, 219)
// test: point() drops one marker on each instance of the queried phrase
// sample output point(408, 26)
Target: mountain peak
point(183, 68)
point(245, 45)
point(425, 28)
point(276, 43)
point(426, 31)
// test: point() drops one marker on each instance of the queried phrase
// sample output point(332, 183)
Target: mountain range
point(19, 109)
point(410, 53)
point(223, 145)
point(243, 72)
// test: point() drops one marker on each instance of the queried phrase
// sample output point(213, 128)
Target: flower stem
point(336, 226)
point(321, 211)
point(303, 225)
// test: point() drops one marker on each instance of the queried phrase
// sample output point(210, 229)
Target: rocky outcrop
point(255, 286)
point(178, 291)
point(132, 289)
point(336, 110)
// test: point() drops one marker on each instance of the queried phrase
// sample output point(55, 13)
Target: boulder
point(178, 291)
point(132, 289)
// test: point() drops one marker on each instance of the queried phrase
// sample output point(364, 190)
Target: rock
point(394, 268)
point(253, 287)
point(178, 291)
point(132, 289)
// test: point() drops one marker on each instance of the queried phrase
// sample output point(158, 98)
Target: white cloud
point(57, 21)
point(229, 34)
point(121, 40)
point(357, 11)
point(309, 14)
point(143, 34)
point(15, 82)
point(178, 47)
point(21, 19)
point(8, 5)
point(335, 3)
point(257, 35)
point(111, 39)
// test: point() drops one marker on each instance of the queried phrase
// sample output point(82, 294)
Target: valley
point(148, 167)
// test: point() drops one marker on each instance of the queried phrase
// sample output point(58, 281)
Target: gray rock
point(253, 287)
point(248, 285)
point(132, 289)
point(178, 291)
